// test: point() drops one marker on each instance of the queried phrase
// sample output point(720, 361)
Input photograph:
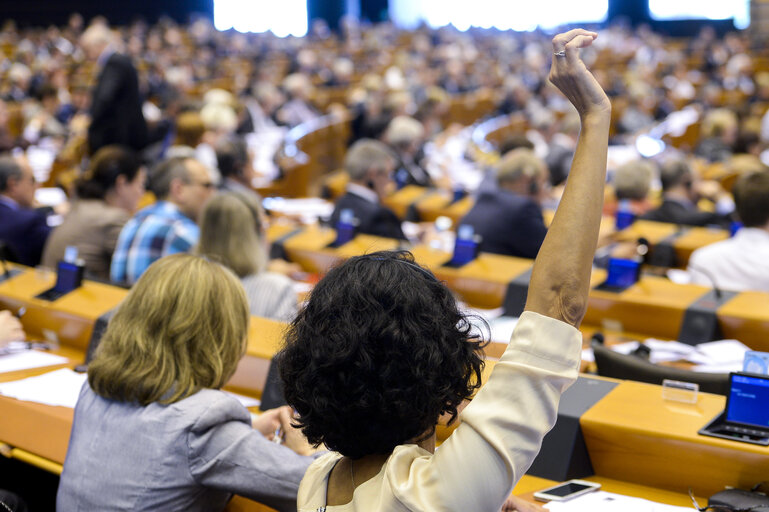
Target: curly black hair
point(379, 352)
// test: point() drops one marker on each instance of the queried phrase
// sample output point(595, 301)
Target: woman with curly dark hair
point(381, 351)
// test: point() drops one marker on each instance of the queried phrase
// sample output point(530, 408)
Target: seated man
point(370, 165)
point(741, 262)
point(521, 179)
point(182, 186)
point(23, 228)
point(632, 182)
point(681, 191)
point(405, 135)
point(235, 166)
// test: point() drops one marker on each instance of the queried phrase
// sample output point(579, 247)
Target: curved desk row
point(654, 306)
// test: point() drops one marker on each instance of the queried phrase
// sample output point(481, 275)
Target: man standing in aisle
point(116, 106)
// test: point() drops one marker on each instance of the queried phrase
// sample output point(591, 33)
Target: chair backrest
point(630, 367)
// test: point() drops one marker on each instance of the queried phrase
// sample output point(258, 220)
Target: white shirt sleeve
point(502, 428)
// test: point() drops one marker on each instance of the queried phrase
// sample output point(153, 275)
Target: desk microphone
point(710, 277)
point(3, 260)
point(597, 337)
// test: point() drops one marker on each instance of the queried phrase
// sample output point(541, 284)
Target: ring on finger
point(561, 53)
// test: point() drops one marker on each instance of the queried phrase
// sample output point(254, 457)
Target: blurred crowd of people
point(215, 107)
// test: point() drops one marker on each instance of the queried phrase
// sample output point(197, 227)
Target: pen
point(277, 436)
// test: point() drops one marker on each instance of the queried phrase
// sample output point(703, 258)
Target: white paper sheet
point(27, 359)
point(601, 501)
point(723, 351)
point(59, 387)
point(247, 401)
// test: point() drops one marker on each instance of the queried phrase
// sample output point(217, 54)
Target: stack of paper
point(26, 359)
point(60, 387)
point(601, 501)
point(719, 356)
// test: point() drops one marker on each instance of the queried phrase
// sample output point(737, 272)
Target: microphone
point(3, 260)
point(710, 277)
point(597, 337)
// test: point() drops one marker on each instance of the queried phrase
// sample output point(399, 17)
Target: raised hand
point(572, 77)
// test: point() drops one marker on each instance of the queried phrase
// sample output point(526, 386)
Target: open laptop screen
point(748, 401)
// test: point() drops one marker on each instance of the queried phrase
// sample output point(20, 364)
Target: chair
point(630, 367)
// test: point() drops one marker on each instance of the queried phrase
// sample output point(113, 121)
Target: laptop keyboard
point(746, 431)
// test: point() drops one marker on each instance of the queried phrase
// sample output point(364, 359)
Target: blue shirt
point(154, 232)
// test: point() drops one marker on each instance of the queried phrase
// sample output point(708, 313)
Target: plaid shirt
point(156, 231)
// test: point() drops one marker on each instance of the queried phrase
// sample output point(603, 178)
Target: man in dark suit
point(116, 106)
point(370, 165)
point(509, 218)
point(681, 191)
point(22, 228)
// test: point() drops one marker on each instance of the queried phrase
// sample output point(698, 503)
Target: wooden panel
point(746, 318)
point(400, 201)
point(69, 319)
point(651, 298)
point(633, 435)
point(528, 485)
point(695, 238)
point(309, 249)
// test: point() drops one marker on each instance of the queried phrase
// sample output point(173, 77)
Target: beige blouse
point(93, 227)
point(500, 434)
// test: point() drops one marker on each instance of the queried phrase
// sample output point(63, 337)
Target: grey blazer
point(188, 456)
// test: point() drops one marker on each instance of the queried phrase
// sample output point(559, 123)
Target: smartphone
point(566, 490)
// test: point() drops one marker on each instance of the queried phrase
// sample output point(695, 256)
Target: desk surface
point(634, 423)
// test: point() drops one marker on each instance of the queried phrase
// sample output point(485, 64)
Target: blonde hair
point(633, 179)
point(230, 230)
point(718, 121)
point(182, 328)
point(519, 163)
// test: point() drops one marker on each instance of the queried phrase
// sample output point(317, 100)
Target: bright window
point(702, 9)
point(503, 15)
point(282, 17)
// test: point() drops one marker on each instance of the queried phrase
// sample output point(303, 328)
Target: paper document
point(247, 401)
point(59, 387)
point(601, 501)
point(27, 359)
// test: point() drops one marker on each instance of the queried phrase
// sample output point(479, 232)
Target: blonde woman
point(231, 234)
point(152, 430)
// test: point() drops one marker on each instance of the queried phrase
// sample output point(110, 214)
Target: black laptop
point(746, 417)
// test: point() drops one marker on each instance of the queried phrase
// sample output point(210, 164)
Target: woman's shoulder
point(312, 489)
point(97, 212)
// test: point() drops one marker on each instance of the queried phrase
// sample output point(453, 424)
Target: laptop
point(746, 417)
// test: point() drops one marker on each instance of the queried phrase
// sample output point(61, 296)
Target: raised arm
point(560, 279)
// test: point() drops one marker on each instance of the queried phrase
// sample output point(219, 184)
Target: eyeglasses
point(205, 184)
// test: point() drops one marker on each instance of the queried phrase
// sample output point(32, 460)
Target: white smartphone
point(566, 490)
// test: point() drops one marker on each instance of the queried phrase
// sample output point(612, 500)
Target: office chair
point(631, 367)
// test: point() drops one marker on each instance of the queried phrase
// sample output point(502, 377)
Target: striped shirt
point(271, 295)
point(156, 231)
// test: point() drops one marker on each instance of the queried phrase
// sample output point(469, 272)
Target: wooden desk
point(684, 239)
point(633, 435)
point(654, 306)
point(69, 320)
point(746, 318)
point(528, 485)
